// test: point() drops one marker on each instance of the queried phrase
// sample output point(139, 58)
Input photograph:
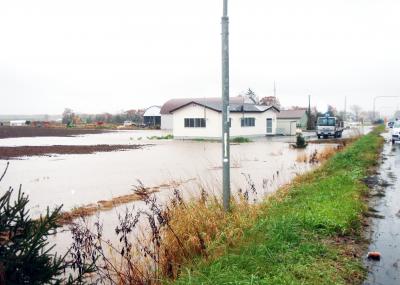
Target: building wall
point(213, 122)
point(152, 120)
point(303, 121)
point(260, 128)
point(287, 127)
point(213, 127)
point(167, 122)
point(18, 123)
point(152, 111)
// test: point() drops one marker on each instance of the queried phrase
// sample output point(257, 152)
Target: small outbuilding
point(291, 120)
point(18, 123)
point(152, 116)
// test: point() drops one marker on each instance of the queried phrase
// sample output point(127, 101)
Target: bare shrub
point(153, 244)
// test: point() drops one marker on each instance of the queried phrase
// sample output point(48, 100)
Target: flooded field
point(75, 180)
point(85, 179)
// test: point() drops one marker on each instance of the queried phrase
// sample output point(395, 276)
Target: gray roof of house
point(291, 114)
point(236, 105)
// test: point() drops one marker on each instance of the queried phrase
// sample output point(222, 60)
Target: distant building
point(201, 118)
point(152, 116)
point(291, 120)
point(18, 123)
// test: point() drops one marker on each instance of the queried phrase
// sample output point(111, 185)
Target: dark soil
point(19, 151)
point(18, 132)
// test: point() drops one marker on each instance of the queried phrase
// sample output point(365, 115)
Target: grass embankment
point(308, 233)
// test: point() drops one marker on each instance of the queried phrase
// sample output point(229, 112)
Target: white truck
point(329, 126)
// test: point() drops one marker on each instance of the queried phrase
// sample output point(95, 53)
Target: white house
point(18, 123)
point(201, 118)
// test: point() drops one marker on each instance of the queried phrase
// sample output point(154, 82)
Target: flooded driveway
point(385, 235)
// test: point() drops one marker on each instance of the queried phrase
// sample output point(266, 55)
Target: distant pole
point(274, 89)
point(345, 109)
point(310, 125)
point(226, 187)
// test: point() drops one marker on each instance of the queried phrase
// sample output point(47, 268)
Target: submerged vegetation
point(232, 140)
point(300, 141)
point(240, 140)
point(166, 137)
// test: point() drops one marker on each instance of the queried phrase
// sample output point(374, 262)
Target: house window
point(247, 122)
point(195, 123)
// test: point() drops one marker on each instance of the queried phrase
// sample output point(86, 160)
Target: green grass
point(240, 140)
point(232, 140)
point(166, 137)
point(306, 234)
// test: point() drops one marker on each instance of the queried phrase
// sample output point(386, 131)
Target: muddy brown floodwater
point(385, 221)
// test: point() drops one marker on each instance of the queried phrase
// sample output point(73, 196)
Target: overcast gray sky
point(97, 56)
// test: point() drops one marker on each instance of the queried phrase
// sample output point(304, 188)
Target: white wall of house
point(213, 123)
point(287, 127)
point(167, 121)
point(260, 128)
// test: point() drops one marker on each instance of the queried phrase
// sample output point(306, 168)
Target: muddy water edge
point(384, 221)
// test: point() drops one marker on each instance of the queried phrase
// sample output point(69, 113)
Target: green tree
point(26, 256)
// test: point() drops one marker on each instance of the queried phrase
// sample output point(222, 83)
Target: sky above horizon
point(107, 56)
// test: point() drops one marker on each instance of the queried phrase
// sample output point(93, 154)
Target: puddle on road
point(385, 232)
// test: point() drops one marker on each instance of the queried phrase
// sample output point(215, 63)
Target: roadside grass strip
point(309, 232)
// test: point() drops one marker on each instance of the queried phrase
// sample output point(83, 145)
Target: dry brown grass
point(327, 152)
point(106, 205)
point(302, 157)
point(199, 228)
point(318, 156)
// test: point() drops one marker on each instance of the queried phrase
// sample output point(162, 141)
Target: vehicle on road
point(329, 126)
point(390, 124)
point(395, 131)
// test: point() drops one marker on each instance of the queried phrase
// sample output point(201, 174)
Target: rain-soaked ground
point(385, 227)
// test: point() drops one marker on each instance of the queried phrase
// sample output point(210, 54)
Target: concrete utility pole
point(345, 109)
point(226, 187)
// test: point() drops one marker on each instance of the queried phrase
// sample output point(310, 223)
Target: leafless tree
point(356, 111)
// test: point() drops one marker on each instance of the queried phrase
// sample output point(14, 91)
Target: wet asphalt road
point(385, 228)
